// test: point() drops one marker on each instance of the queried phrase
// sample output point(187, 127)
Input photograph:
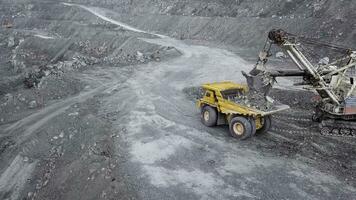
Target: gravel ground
point(111, 115)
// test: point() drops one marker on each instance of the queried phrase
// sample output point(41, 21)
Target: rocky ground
point(97, 102)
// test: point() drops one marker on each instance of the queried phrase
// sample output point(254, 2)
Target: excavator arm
point(334, 82)
point(318, 79)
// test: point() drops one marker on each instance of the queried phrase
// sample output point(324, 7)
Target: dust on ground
point(94, 104)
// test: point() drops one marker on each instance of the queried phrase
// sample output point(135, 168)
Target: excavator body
point(335, 82)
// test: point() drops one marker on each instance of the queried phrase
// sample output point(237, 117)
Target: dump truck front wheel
point(240, 128)
point(209, 116)
point(266, 122)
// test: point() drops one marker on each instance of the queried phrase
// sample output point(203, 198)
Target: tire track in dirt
point(14, 177)
point(178, 153)
point(35, 121)
point(160, 137)
point(101, 14)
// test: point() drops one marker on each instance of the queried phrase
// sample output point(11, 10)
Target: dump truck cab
point(218, 107)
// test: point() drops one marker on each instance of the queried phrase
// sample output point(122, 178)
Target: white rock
point(26, 159)
point(11, 42)
point(324, 61)
point(73, 114)
point(140, 56)
point(32, 104)
point(29, 195)
point(61, 135)
point(47, 73)
point(280, 55)
point(269, 99)
point(22, 99)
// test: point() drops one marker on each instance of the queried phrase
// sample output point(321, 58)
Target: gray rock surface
point(113, 84)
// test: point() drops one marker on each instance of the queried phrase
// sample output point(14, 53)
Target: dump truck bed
point(229, 106)
point(235, 98)
point(276, 109)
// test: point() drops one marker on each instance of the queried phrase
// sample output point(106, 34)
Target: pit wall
point(245, 32)
point(243, 23)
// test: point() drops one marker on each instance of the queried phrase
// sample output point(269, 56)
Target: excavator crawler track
point(338, 128)
point(327, 127)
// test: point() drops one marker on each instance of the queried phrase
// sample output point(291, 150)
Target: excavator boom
point(334, 82)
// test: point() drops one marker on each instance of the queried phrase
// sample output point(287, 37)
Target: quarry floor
point(133, 132)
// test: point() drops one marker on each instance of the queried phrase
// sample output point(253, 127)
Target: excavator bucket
point(260, 83)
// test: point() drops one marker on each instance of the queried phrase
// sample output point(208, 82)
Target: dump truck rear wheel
point(266, 122)
point(253, 125)
point(209, 116)
point(240, 128)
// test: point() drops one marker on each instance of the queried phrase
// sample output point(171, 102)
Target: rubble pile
point(96, 50)
point(255, 100)
point(33, 78)
point(126, 59)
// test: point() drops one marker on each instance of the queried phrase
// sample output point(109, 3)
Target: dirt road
point(134, 134)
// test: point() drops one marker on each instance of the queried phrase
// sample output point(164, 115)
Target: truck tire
point(253, 125)
point(240, 128)
point(266, 125)
point(209, 116)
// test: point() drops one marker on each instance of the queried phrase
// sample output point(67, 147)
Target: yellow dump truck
point(227, 103)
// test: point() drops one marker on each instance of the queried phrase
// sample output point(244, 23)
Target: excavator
point(334, 82)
